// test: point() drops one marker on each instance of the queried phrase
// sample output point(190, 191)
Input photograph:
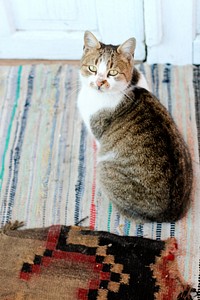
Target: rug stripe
point(58, 190)
point(10, 172)
point(18, 148)
point(79, 188)
point(109, 216)
point(155, 80)
point(70, 139)
point(172, 229)
point(40, 83)
point(198, 288)
point(51, 144)
point(158, 231)
point(8, 87)
point(116, 222)
point(64, 135)
point(93, 206)
point(10, 125)
point(167, 80)
point(139, 230)
point(127, 227)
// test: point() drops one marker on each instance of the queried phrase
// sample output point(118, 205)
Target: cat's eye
point(112, 73)
point(92, 69)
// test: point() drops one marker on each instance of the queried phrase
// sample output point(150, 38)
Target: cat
point(144, 166)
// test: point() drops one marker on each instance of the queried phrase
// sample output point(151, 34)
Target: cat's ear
point(127, 48)
point(90, 41)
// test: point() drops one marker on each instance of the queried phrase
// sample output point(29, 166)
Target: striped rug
point(48, 160)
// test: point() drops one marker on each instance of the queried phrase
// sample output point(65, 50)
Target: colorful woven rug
point(75, 263)
point(48, 160)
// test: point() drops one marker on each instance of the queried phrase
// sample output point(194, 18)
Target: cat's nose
point(101, 83)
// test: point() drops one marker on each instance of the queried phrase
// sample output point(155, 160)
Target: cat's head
point(106, 68)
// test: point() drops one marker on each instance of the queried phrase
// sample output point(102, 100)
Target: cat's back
point(139, 118)
point(140, 128)
point(141, 145)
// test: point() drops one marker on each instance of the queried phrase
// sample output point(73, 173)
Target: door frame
point(196, 43)
point(166, 40)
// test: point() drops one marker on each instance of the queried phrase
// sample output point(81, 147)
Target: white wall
point(196, 43)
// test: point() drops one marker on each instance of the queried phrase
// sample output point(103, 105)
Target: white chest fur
point(91, 101)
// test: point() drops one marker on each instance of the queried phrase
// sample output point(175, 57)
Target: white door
point(53, 29)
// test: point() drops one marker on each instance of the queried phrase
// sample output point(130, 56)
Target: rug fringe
point(11, 226)
point(188, 294)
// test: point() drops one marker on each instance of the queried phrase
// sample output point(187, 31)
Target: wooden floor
point(16, 62)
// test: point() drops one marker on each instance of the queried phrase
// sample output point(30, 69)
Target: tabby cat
point(144, 166)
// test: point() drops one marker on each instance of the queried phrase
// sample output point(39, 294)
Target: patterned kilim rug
point(48, 161)
point(72, 263)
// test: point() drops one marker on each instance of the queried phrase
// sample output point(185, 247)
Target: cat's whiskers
point(73, 84)
point(74, 91)
point(126, 95)
point(74, 87)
